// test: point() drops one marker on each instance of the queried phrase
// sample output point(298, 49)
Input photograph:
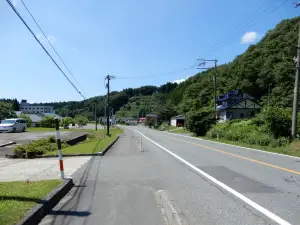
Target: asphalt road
point(212, 183)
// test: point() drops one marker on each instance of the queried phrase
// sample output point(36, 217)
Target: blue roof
point(221, 107)
point(228, 95)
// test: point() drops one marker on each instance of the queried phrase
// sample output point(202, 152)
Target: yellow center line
point(242, 157)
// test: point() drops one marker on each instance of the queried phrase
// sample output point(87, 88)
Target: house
point(103, 120)
point(142, 119)
point(35, 119)
point(177, 121)
point(236, 105)
point(35, 108)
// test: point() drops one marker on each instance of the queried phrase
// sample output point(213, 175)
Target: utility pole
point(95, 118)
point(269, 94)
point(108, 78)
point(203, 63)
point(296, 87)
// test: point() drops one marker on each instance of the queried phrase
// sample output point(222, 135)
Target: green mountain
point(269, 63)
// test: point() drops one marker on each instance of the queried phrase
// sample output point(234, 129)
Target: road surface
point(211, 182)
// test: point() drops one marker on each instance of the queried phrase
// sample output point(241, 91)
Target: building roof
point(228, 95)
point(18, 113)
point(178, 117)
point(35, 118)
point(221, 107)
point(51, 114)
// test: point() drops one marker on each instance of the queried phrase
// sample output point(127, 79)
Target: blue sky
point(141, 39)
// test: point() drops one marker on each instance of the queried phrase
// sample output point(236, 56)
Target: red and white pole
point(61, 164)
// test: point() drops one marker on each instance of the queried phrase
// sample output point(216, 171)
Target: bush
point(199, 122)
point(48, 122)
point(246, 131)
point(277, 121)
point(164, 126)
point(81, 120)
point(20, 150)
point(65, 122)
point(27, 118)
point(151, 121)
point(38, 147)
point(51, 139)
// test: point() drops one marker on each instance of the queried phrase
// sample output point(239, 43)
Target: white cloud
point(178, 81)
point(249, 38)
point(50, 38)
point(38, 36)
point(74, 49)
point(15, 2)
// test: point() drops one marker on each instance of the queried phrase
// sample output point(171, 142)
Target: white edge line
point(259, 208)
point(216, 142)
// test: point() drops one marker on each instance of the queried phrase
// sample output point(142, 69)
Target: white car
point(13, 125)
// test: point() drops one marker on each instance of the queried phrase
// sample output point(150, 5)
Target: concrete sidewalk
point(111, 190)
point(38, 169)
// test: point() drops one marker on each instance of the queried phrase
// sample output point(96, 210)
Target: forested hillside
point(268, 63)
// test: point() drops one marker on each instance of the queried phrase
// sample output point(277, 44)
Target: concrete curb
point(13, 156)
point(35, 215)
point(170, 209)
point(8, 143)
point(109, 146)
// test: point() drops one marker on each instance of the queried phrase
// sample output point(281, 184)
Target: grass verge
point(97, 143)
point(180, 131)
point(292, 149)
point(17, 198)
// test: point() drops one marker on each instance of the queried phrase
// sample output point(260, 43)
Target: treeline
point(269, 64)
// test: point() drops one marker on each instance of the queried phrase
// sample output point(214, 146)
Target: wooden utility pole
point(203, 63)
point(296, 87)
point(108, 78)
point(96, 117)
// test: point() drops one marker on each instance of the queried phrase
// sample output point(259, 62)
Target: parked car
point(13, 125)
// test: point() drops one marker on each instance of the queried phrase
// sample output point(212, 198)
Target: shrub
point(27, 118)
point(20, 150)
point(51, 139)
point(81, 120)
point(276, 120)
point(199, 122)
point(65, 122)
point(48, 121)
point(164, 126)
point(38, 147)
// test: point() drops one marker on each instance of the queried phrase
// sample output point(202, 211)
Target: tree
point(151, 121)
point(48, 121)
point(276, 121)
point(16, 105)
point(65, 122)
point(27, 118)
point(6, 111)
point(81, 120)
point(199, 122)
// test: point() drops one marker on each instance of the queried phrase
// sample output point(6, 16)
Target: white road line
point(215, 142)
point(257, 207)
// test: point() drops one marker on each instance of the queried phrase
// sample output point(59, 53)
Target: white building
point(35, 108)
point(177, 121)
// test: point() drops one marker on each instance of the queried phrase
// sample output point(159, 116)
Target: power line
point(20, 17)
point(218, 44)
point(50, 43)
point(162, 74)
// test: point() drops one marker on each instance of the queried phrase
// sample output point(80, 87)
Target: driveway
point(38, 169)
point(23, 138)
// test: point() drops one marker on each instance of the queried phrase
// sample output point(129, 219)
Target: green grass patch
point(41, 129)
point(97, 141)
point(17, 198)
point(286, 150)
point(180, 131)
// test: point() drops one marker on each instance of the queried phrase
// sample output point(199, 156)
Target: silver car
point(13, 125)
